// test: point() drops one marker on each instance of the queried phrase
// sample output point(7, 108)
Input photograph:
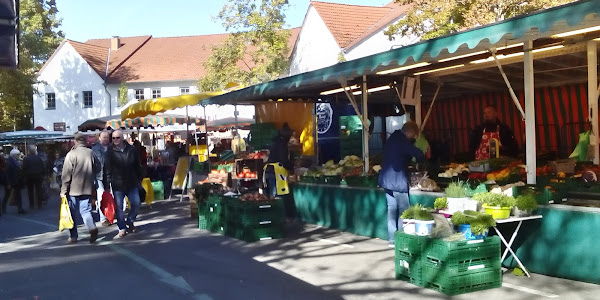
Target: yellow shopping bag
point(65, 221)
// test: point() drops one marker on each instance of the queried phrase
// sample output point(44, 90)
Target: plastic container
point(454, 285)
point(466, 230)
point(423, 228)
point(497, 212)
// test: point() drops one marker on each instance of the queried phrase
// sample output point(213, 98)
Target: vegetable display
point(440, 203)
point(526, 202)
point(493, 199)
point(417, 212)
point(456, 190)
point(479, 222)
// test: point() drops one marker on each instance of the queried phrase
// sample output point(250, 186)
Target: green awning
point(534, 26)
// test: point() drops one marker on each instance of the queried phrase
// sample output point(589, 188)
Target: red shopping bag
point(107, 205)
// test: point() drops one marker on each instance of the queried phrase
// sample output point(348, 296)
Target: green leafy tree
point(38, 38)
point(432, 18)
point(256, 52)
point(122, 100)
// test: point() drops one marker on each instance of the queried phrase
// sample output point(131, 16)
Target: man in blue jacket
point(394, 177)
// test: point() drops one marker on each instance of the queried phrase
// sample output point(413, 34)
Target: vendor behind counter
point(492, 128)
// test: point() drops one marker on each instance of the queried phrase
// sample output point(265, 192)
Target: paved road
point(169, 258)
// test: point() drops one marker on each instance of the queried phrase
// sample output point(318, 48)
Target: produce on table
point(456, 190)
point(454, 170)
point(417, 212)
point(526, 202)
point(494, 199)
point(440, 203)
point(254, 197)
point(349, 166)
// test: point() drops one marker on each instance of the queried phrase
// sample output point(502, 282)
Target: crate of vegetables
point(254, 209)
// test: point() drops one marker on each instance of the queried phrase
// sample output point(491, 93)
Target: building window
point(50, 101)
point(87, 99)
point(139, 94)
point(184, 90)
point(156, 93)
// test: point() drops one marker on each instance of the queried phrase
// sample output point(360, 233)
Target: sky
point(86, 19)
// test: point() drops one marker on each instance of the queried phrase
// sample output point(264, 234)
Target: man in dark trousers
point(394, 177)
point(14, 180)
point(278, 154)
point(34, 170)
point(79, 184)
point(492, 128)
point(123, 172)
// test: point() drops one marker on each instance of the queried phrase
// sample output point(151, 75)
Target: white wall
point(377, 43)
point(315, 48)
point(68, 75)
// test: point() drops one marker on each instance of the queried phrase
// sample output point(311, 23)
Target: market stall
point(457, 75)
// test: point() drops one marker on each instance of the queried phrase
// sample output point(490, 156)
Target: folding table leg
point(512, 239)
point(511, 251)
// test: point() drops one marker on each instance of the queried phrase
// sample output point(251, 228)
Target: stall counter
point(358, 210)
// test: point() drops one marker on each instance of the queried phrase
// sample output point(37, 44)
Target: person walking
point(34, 172)
point(394, 178)
point(100, 149)
point(78, 185)
point(14, 180)
point(123, 172)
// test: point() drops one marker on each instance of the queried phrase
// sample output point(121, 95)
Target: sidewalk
point(311, 262)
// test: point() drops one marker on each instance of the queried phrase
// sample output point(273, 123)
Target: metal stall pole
point(365, 116)
point(592, 60)
point(530, 155)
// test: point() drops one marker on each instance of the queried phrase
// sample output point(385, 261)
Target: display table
point(508, 245)
point(359, 210)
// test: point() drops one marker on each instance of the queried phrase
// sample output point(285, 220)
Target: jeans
point(81, 206)
point(397, 203)
point(99, 192)
point(134, 200)
point(271, 188)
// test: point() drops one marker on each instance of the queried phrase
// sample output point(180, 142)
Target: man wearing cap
point(79, 184)
point(123, 172)
point(14, 180)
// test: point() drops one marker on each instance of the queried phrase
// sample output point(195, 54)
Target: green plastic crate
point(454, 285)
point(410, 244)
point(409, 271)
point(235, 205)
point(202, 222)
point(215, 224)
point(433, 268)
point(443, 251)
point(275, 216)
point(253, 234)
point(159, 190)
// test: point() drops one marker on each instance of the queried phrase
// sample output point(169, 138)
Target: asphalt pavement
point(170, 258)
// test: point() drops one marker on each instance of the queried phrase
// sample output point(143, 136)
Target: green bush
point(480, 222)
point(493, 199)
point(456, 190)
point(526, 202)
point(440, 203)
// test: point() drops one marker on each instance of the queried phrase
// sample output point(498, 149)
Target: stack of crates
point(252, 221)
point(262, 135)
point(451, 268)
point(350, 136)
point(214, 213)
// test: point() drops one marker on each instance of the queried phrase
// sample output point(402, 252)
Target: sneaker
point(106, 223)
point(93, 235)
point(71, 240)
point(131, 229)
point(122, 233)
point(391, 244)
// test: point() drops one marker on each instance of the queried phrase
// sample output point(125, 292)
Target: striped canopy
point(152, 121)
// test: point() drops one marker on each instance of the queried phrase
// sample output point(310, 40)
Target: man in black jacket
point(479, 142)
point(123, 171)
point(278, 153)
point(34, 171)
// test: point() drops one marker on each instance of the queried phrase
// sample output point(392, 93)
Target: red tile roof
point(350, 24)
point(144, 58)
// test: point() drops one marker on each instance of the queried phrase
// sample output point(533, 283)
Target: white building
point(81, 81)
point(332, 31)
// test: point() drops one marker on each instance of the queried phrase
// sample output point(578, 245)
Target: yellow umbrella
point(154, 106)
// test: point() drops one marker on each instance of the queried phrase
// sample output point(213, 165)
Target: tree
point(122, 100)
point(432, 18)
point(256, 52)
point(38, 38)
